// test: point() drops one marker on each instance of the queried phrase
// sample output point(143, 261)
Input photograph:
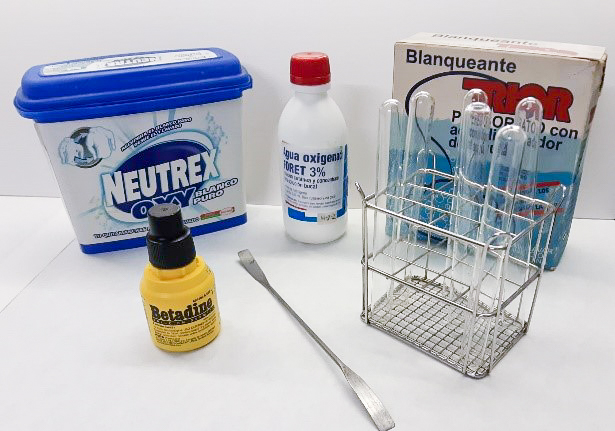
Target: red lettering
point(559, 100)
point(503, 97)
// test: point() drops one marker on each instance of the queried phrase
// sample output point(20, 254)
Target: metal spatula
point(372, 404)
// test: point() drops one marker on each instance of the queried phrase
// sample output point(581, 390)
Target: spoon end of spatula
point(379, 414)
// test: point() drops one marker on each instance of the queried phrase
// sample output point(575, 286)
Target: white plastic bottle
point(314, 156)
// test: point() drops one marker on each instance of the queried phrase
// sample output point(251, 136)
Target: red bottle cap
point(310, 68)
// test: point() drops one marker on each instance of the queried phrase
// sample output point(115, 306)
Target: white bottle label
point(315, 182)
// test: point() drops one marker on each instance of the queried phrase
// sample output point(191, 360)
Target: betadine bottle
point(178, 288)
point(314, 155)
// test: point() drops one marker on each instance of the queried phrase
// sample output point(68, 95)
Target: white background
point(358, 37)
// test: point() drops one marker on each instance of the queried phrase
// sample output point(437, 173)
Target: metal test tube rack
point(430, 307)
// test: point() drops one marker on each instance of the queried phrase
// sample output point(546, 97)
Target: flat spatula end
point(379, 414)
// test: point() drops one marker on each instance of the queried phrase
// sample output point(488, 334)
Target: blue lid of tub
point(129, 83)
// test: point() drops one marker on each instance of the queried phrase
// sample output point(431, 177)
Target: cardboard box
point(566, 78)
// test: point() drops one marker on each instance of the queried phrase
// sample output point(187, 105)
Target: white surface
point(358, 36)
point(76, 352)
point(33, 232)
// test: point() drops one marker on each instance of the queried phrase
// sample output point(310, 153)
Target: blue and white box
point(566, 78)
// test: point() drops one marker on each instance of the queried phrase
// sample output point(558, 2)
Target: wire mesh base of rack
point(434, 328)
point(466, 309)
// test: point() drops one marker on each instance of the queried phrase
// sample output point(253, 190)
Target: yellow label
point(182, 312)
point(187, 326)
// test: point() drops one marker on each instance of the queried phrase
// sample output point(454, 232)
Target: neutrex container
point(126, 132)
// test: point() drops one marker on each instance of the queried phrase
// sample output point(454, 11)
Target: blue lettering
point(139, 210)
point(181, 198)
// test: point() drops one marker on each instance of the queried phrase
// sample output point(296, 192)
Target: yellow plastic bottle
point(178, 288)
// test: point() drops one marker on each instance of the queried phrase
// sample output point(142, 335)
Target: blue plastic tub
point(128, 131)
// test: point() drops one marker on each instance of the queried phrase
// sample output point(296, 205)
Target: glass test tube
point(500, 196)
point(412, 179)
point(470, 177)
point(473, 95)
point(417, 148)
point(528, 116)
point(388, 156)
point(472, 166)
point(389, 159)
point(418, 135)
point(503, 185)
point(388, 162)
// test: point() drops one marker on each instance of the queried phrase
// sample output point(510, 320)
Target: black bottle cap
point(169, 243)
